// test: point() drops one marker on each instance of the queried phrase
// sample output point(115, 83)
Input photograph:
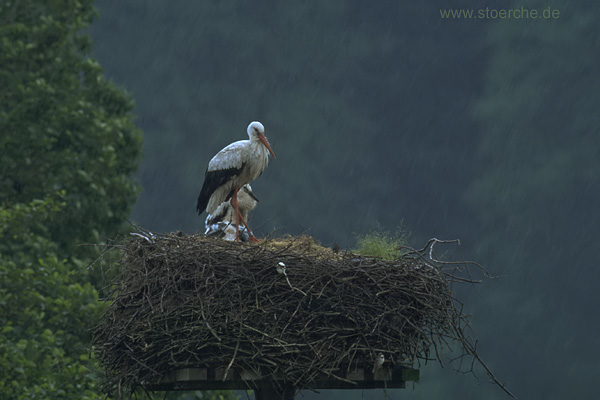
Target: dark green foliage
point(68, 149)
point(64, 126)
point(46, 310)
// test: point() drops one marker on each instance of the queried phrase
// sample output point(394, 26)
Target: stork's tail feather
point(202, 201)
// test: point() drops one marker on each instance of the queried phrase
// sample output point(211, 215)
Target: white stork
point(221, 222)
point(236, 165)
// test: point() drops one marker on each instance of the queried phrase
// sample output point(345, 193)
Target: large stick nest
point(188, 301)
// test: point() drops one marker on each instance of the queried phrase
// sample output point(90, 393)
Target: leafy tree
point(45, 310)
point(64, 127)
point(69, 148)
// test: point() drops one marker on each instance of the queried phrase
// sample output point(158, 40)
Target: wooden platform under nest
point(288, 312)
point(239, 379)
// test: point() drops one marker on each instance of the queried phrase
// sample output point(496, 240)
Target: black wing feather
point(212, 181)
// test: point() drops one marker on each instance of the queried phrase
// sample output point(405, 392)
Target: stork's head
point(256, 130)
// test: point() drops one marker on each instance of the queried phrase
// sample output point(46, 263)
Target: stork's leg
point(234, 204)
point(251, 237)
point(238, 218)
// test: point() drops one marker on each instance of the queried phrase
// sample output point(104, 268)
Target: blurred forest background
point(383, 116)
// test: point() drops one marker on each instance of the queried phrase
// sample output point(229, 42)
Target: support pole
point(269, 392)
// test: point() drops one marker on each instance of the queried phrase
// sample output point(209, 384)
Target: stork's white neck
point(259, 148)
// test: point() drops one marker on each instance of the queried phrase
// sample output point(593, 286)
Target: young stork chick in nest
point(221, 223)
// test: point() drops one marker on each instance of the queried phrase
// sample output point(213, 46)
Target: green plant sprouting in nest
point(384, 245)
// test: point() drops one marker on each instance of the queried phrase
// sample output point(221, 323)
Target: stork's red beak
point(264, 141)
